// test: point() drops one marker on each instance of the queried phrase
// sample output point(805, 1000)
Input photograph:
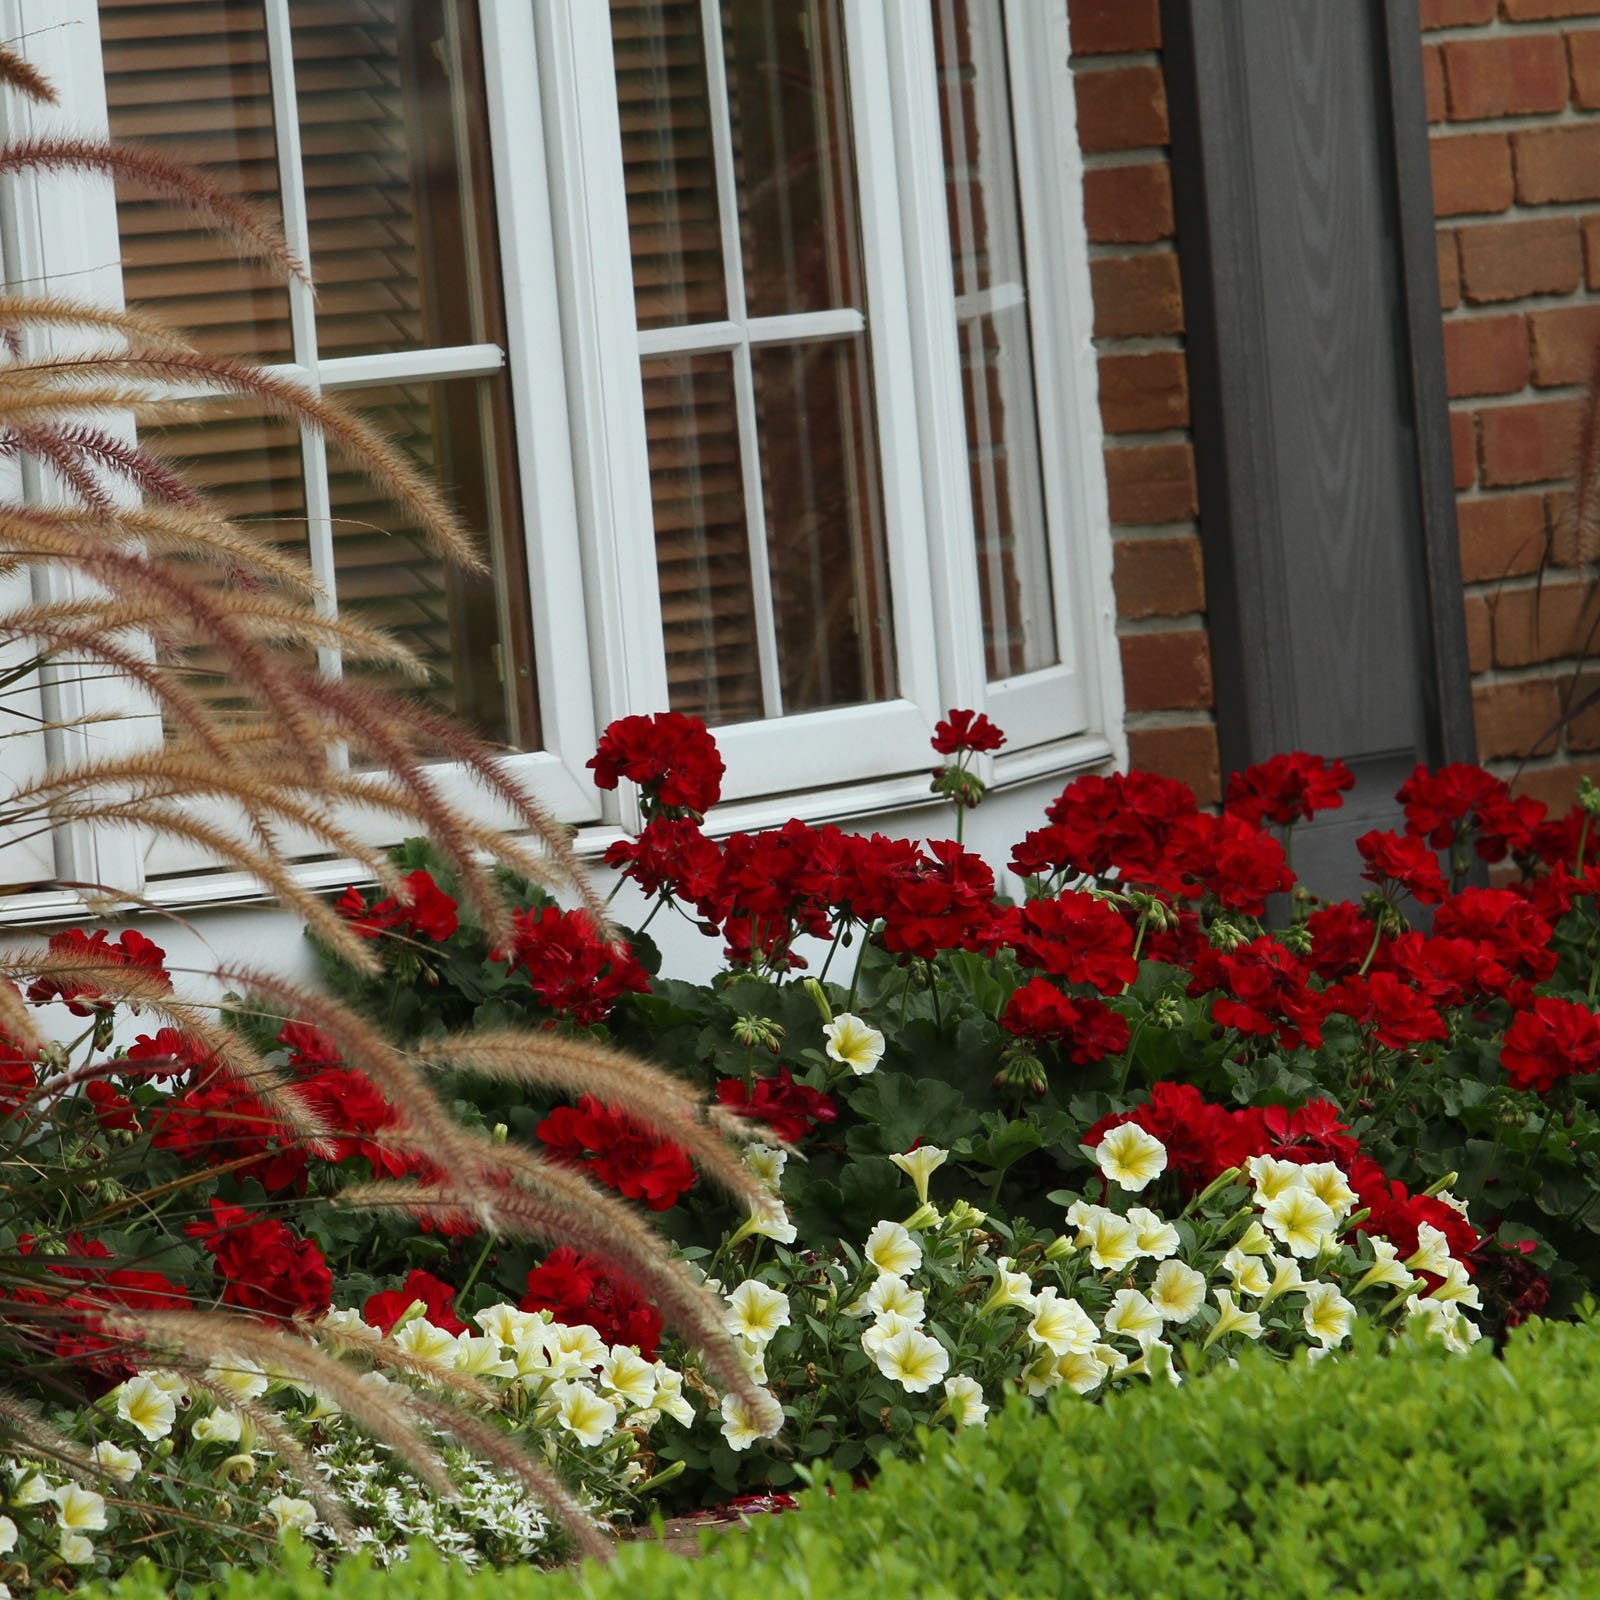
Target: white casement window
point(752, 333)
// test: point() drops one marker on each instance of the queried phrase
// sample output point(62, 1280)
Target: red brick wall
point(1513, 96)
point(1144, 389)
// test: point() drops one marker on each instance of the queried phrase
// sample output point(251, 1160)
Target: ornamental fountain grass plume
point(148, 568)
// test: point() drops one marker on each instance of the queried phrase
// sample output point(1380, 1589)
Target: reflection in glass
point(824, 511)
point(992, 320)
point(702, 547)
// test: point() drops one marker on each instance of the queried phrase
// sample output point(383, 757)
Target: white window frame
point(582, 461)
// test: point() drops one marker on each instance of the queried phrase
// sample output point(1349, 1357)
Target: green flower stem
point(477, 1267)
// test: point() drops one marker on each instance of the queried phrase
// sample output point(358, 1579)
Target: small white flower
point(912, 1359)
point(1328, 1315)
point(964, 1396)
point(242, 1378)
point(1442, 1320)
point(578, 1340)
point(1157, 1238)
point(670, 1400)
point(219, 1427)
point(1131, 1158)
point(1385, 1271)
point(1285, 1276)
point(884, 1327)
point(585, 1415)
point(740, 1426)
point(890, 1294)
point(1457, 1286)
point(8, 1536)
point(1112, 1241)
point(1178, 1291)
point(1081, 1370)
point(1061, 1326)
point(771, 1223)
point(1254, 1241)
point(288, 1512)
point(892, 1250)
point(80, 1509)
point(1230, 1319)
point(1009, 1289)
point(506, 1324)
point(756, 1312)
point(919, 1165)
point(853, 1043)
point(479, 1356)
point(625, 1375)
point(144, 1405)
point(31, 1491)
point(122, 1466)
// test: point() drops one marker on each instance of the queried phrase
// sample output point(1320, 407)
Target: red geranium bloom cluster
point(790, 1109)
point(966, 730)
point(18, 1076)
point(619, 1152)
point(438, 1299)
point(672, 855)
point(1288, 788)
point(670, 756)
point(79, 994)
point(1072, 936)
point(1087, 1030)
point(1391, 1010)
point(771, 889)
point(1404, 861)
point(1553, 1040)
point(1202, 1139)
point(1229, 858)
point(1515, 934)
point(1442, 805)
point(1261, 990)
point(945, 902)
point(422, 911)
point(1099, 825)
point(570, 967)
point(265, 1267)
point(1396, 1214)
point(577, 1289)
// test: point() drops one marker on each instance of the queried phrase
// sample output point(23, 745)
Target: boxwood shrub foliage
point(1408, 1474)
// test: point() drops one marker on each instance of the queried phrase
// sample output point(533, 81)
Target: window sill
point(850, 803)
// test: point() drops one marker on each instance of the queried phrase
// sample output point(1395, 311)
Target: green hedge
point(1411, 1475)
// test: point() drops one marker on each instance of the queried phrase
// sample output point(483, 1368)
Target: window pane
point(396, 150)
point(674, 228)
point(190, 80)
point(702, 547)
point(992, 320)
point(387, 576)
point(824, 511)
point(789, 101)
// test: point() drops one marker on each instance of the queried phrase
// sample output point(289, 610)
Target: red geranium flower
point(672, 758)
point(79, 994)
point(1394, 1013)
point(265, 1267)
point(421, 910)
point(570, 967)
point(790, 1109)
point(1557, 1039)
point(1086, 1029)
point(1288, 788)
point(1404, 861)
point(1072, 936)
point(438, 1299)
point(966, 730)
point(1261, 990)
point(619, 1152)
point(577, 1289)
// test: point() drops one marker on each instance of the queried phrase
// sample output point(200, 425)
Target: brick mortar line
point(1534, 672)
point(1112, 60)
point(1154, 437)
point(1139, 344)
point(1149, 532)
point(1519, 211)
point(1521, 399)
point(1522, 583)
point(1155, 721)
point(1498, 27)
point(1118, 160)
point(1111, 250)
point(1154, 627)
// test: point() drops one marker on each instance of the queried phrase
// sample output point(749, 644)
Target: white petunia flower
point(146, 1406)
point(1254, 1241)
point(1061, 1325)
point(1133, 1315)
point(1442, 1320)
point(1157, 1238)
point(242, 1378)
point(219, 1427)
point(8, 1536)
point(1385, 1271)
point(884, 1327)
point(579, 1341)
point(426, 1341)
point(287, 1512)
point(1329, 1185)
point(122, 1466)
point(588, 1417)
point(1080, 1371)
point(75, 1548)
point(1300, 1220)
point(964, 1396)
point(771, 1223)
point(1178, 1291)
point(1432, 1253)
point(1009, 1289)
point(756, 1312)
point(1131, 1158)
point(1285, 1276)
point(1458, 1287)
point(912, 1359)
point(767, 1161)
point(1231, 1319)
point(80, 1509)
point(1112, 1241)
point(740, 1426)
point(892, 1250)
point(625, 1375)
point(670, 1399)
point(479, 1356)
point(506, 1324)
point(853, 1043)
point(919, 1165)
point(1328, 1315)
point(891, 1294)
point(1273, 1177)
point(1249, 1272)
point(30, 1491)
